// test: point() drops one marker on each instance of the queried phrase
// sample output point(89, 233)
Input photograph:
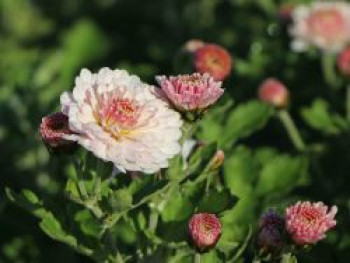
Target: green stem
point(328, 67)
point(153, 220)
point(292, 130)
point(197, 258)
point(348, 103)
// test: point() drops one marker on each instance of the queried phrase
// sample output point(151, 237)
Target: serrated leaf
point(177, 208)
point(52, 227)
point(240, 172)
point(244, 120)
point(217, 202)
point(280, 175)
point(319, 117)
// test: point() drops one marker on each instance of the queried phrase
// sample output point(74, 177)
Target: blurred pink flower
point(274, 92)
point(271, 227)
point(53, 129)
point(308, 222)
point(194, 92)
point(205, 230)
point(122, 120)
point(213, 59)
point(325, 25)
point(344, 62)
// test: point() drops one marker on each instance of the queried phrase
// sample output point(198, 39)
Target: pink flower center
point(327, 23)
point(118, 116)
point(310, 216)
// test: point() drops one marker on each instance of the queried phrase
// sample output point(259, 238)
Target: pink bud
point(193, 93)
point(52, 129)
point(213, 59)
point(218, 159)
point(344, 62)
point(270, 235)
point(274, 92)
point(285, 11)
point(205, 230)
point(307, 223)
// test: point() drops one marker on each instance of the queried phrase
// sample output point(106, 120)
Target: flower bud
point(307, 223)
point(344, 62)
point(191, 93)
point(52, 130)
point(217, 160)
point(213, 59)
point(270, 235)
point(204, 230)
point(285, 12)
point(274, 92)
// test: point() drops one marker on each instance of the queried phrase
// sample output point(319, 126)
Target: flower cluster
point(325, 25)
point(125, 121)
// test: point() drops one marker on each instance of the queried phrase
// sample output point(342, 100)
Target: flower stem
point(197, 258)
point(328, 67)
point(153, 220)
point(292, 130)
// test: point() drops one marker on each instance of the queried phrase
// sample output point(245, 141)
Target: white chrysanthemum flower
point(122, 120)
point(325, 25)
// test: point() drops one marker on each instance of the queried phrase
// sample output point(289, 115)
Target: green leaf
point(52, 227)
point(217, 202)
point(88, 223)
point(244, 120)
point(280, 175)
point(319, 117)
point(240, 172)
point(28, 201)
point(177, 208)
point(120, 200)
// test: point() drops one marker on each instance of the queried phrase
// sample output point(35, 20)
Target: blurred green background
point(45, 43)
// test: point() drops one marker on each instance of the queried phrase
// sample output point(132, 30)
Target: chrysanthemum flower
point(204, 230)
point(344, 62)
point(213, 59)
point(325, 25)
point(53, 129)
point(274, 92)
point(122, 120)
point(193, 93)
point(308, 222)
point(271, 227)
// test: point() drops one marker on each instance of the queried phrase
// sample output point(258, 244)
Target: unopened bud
point(218, 159)
point(271, 228)
point(273, 92)
point(344, 62)
point(213, 59)
point(204, 230)
point(53, 129)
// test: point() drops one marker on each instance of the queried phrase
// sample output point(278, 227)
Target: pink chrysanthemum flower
point(194, 92)
point(308, 222)
point(53, 129)
point(274, 92)
point(325, 25)
point(344, 62)
point(213, 59)
point(271, 227)
point(204, 230)
point(122, 120)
